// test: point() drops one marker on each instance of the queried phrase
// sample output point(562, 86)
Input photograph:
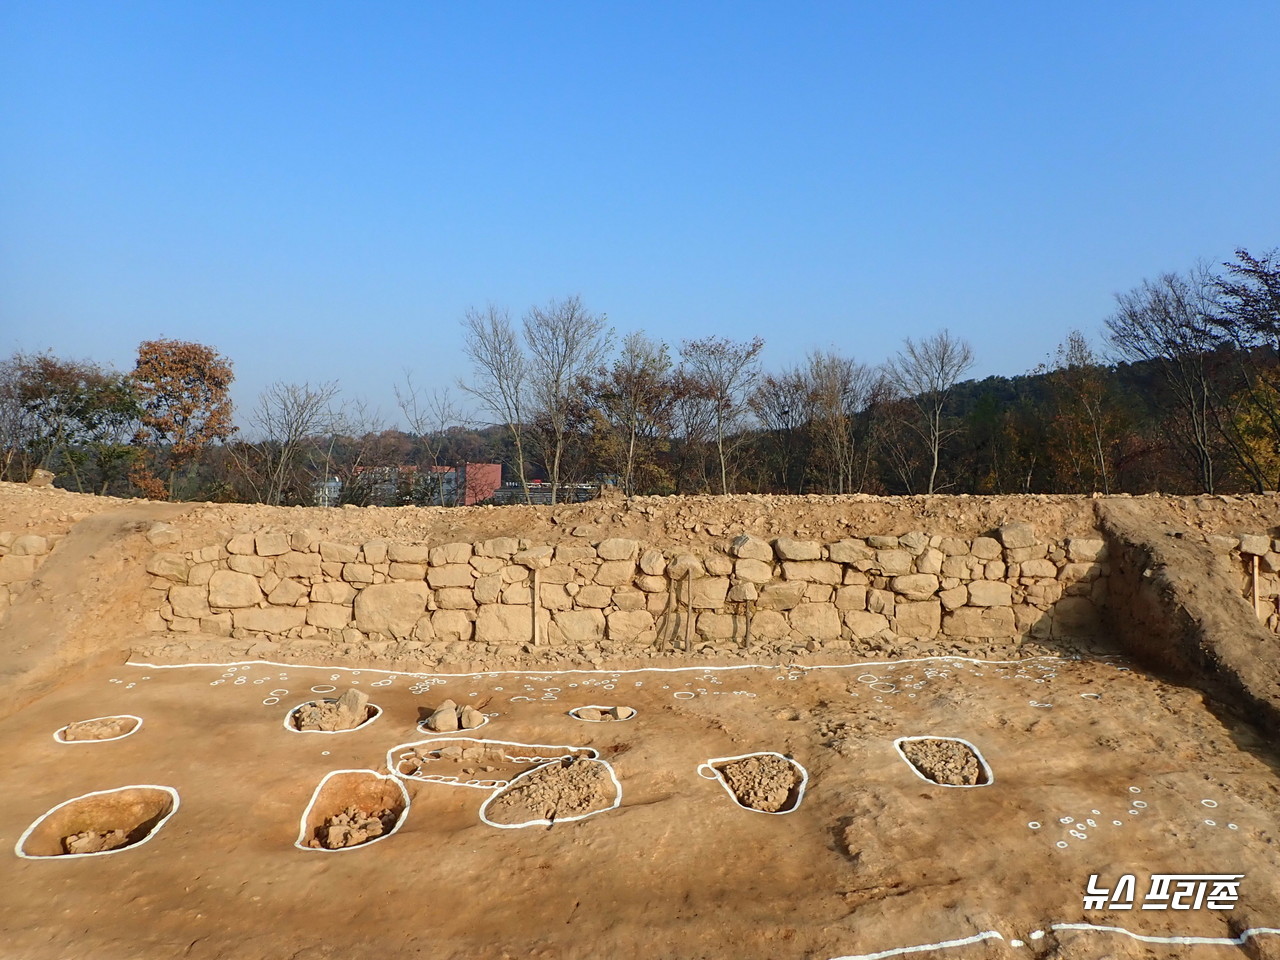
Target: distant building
point(396, 486)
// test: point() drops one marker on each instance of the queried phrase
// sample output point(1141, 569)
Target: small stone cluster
point(346, 713)
point(449, 717)
point(621, 594)
point(94, 841)
point(351, 828)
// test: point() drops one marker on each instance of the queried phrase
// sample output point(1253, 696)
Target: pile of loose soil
point(352, 827)
point(567, 788)
point(762, 783)
point(105, 728)
point(346, 713)
point(94, 841)
point(948, 762)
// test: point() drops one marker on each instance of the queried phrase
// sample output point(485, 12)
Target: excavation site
point(749, 727)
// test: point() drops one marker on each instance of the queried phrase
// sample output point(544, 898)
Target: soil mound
point(948, 762)
point(764, 783)
point(566, 788)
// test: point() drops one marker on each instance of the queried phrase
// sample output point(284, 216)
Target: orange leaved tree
point(183, 390)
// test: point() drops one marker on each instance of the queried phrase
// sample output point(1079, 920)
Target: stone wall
point(20, 557)
point(619, 595)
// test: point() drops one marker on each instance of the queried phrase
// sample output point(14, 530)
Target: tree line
point(1182, 394)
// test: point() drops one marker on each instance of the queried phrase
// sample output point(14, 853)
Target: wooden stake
point(1255, 587)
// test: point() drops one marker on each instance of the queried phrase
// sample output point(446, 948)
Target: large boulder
point(390, 608)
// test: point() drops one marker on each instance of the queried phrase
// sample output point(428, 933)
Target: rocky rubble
point(105, 728)
point(567, 788)
point(94, 841)
point(761, 783)
point(947, 762)
point(346, 713)
point(352, 827)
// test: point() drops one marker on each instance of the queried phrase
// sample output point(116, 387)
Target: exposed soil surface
point(762, 783)
point(945, 761)
point(98, 822)
point(566, 788)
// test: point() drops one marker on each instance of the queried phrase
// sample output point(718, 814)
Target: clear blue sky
point(319, 189)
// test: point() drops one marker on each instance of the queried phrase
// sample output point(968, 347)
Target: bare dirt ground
point(1096, 769)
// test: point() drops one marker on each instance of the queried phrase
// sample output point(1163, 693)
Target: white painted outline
point(417, 674)
point(716, 775)
point(925, 947)
point(57, 734)
point(982, 761)
point(288, 716)
point(17, 847)
point(393, 761)
point(600, 706)
point(617, 798)
point(422, 725)
point(1181, 941)
point(302, 824)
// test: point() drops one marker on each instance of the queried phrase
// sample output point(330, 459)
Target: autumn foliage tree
point(183, 390)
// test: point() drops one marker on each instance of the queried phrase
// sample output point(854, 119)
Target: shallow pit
point(561, 791)
point(372, 713)
point(99, 729)
point(946, 761)
point(599, 713)
point(99, 823)
point(473, 762)
point(351, 809)
point(765, 782)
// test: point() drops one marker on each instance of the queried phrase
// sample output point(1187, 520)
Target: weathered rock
point(915, 586)
point(272, 620)
point(390, 608)
point(170, 566)
point(229, 589)
point(613, 573)
point(629, 625)
point(980, 623)
point(986, 548)
point(450, 553)
point(850, 551)
point(892, 563)
point(338, 552)
point(780, 596)
point(504, 547)
point(329, 616)
point(503, 623)
point(581, 626)
point(445, 718)
point(618, 549)
point(451, 575)
point(287, 593)
point(1081, 550)
point(990, 593)
point(189, 601)
point(1017, 535)
point(408, 552)
point(469, 718)
point(653, 563)
point(786, 548)
point(918, 619)
point(34, 545)
point(818, 621)
point(753, 571)
point(709, 593)
point(270, 544)
point(863, 624)
point(1252, 544)
point(813, 571)
point(333, 592)
point(747, 547)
